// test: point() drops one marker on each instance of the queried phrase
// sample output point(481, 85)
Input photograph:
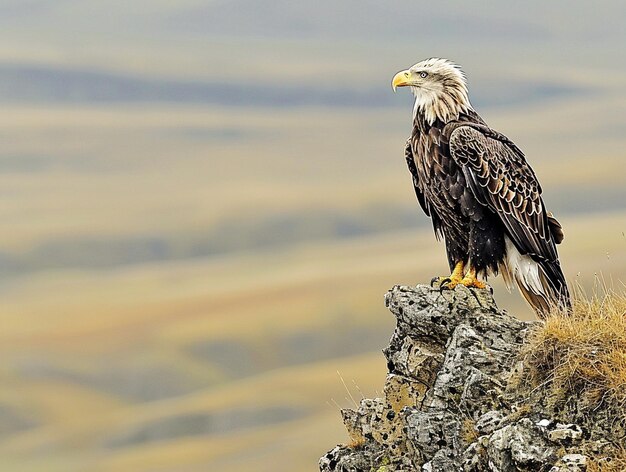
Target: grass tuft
point(582, 356)
point(616, 463)
point(577, 364)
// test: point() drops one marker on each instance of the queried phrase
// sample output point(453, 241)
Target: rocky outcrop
point(453, 400)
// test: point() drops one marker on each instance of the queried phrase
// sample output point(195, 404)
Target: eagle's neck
point(444, 107)
point(422, 125)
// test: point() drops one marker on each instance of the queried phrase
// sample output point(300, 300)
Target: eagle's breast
point(441, 180)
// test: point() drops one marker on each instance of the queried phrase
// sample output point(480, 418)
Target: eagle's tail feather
point(542, 283)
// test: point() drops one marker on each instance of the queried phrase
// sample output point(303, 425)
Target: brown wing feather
point(410, 161)
point(501, 179)
point(408, 155)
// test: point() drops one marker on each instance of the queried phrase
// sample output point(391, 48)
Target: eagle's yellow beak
point(401, 79)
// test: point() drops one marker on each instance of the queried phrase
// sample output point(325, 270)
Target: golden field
point(236, 360)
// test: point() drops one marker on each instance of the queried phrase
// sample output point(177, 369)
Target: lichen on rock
point(453, 400)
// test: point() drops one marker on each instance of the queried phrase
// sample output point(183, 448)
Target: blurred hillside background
point(203, 203)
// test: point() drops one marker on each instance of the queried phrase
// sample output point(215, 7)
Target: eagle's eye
point(423, 75)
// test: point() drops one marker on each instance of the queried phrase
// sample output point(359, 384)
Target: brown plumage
point(483, 197)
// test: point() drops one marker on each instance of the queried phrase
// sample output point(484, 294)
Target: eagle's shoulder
point(495, 156)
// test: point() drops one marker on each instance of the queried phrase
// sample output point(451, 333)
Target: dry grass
point(468, 431)
point(579, 363)
point(616, 463)
point(356, 442)
point(583, 356)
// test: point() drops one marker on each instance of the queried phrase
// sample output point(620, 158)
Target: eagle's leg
point(455, 277)
point(470, 279)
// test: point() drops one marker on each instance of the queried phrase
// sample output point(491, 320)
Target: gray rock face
point(448, 404)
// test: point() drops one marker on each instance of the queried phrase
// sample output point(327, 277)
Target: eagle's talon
point(445, 284)
point(451, 281)
point(443, 281)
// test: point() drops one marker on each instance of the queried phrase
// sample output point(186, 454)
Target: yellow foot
point(473, 283)
point(453, 280)
point(470, 280)
point(447, 281)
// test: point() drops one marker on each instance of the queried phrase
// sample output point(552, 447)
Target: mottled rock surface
point(452, 399)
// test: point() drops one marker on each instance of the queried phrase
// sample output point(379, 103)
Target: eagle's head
point(439, 87)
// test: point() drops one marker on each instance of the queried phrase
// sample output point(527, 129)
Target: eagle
point(481, 194)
